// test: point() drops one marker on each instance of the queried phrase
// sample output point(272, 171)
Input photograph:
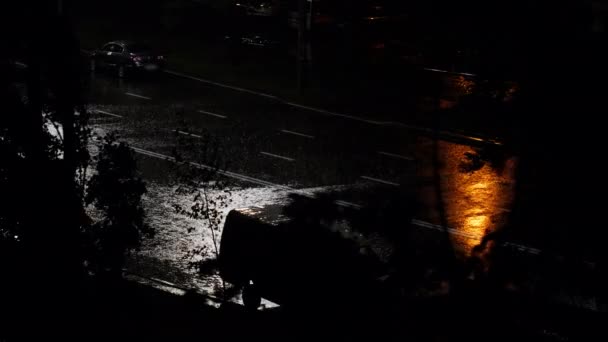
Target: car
point(126, 56)
point(268, 255)
point(305, 249)
point(262, 8)
point(257, 32)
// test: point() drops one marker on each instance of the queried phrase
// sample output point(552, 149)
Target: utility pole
point(300, 47)
point(309, 33)
point(59, 7)
point(304, 53)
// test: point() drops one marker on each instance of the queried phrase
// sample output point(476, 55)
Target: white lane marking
point(470, 137)
point(298, 134)
point(20, 64)
point(277, 156)
point(243, 90)
point(210, 168)
point(305, 193)
point(523, 248)
point(346, 116)
point(458, 232)
point(443, 133)
point(326, 112)
point(212, 114)
point(162, 281)
point(380, 181)
point(108, 113)
point(450, 72)
point(139, 96)
point(452, 231)
point(396, 156)
point(395, 123)
point(189, 134)
point(241, 177)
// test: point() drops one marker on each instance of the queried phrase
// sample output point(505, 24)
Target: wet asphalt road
point(275, 143)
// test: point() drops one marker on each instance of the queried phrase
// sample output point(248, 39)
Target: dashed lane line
point(393, 155)
point(139, 96)
point(221, 85)
point(381, 181)
point(298, 134)
point(277, 156)
point(212, 114)
point(189, 134)
point(242, 177)
point(108, 113)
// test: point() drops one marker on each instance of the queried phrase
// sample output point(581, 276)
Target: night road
point(350, 170)
point(267, 145)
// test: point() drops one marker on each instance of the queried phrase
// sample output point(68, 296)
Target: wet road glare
point(267, 145)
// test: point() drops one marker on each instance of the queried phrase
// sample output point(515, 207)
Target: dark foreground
point(128, 309)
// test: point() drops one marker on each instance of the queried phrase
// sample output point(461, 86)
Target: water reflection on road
point(477, 194)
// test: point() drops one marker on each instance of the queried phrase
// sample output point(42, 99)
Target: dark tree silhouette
point(46, 235)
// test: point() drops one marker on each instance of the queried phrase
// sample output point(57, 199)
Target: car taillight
point(137, 59)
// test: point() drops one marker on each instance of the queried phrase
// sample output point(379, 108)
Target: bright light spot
point(477, 222)
point(477, 186)
point(481, 196)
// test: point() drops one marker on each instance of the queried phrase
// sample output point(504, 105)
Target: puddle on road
point(477, 192)
point(480, 198)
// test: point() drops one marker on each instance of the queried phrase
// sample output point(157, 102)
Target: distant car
point(256, 32)
point(263, 8)
point(253, 39)
point(125, 56)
